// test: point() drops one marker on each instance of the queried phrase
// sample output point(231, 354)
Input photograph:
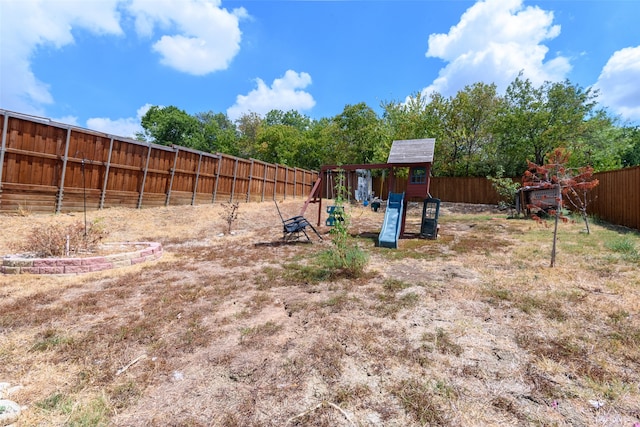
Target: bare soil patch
point(473, 328)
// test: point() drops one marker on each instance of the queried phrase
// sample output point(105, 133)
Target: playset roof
point(411, 151)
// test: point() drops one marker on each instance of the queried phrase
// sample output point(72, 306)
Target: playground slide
point(392, 221)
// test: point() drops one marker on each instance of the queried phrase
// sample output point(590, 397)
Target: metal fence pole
point(264, 182)
point(295, 182)
point(173, 173)
point(275, 184)
point(249, 186)
point(286, 181)
point(233, 184)
point(3, 147)
point(215, 187)
point(195, 184)
point(64, 172)
point(103, 195)
point(144, 177)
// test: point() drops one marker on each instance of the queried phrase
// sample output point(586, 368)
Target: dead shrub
point(55, 240)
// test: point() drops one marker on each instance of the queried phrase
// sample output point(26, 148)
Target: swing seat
point(335, 214)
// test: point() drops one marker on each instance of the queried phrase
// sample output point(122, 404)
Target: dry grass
point(235, 330)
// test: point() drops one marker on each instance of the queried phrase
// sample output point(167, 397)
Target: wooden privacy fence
point(52, 167)
point(476, 190)
point(615, 200)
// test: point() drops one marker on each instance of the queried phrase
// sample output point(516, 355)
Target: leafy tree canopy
point(171, 125)
point(478, 132)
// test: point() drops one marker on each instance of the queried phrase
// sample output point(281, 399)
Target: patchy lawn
point(237, 330)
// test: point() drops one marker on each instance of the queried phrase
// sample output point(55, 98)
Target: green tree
point(291, 118)
point(278, 144)
point(601, 145)
point(412, 119)
point(360, 135)
point(219, 134)
point(249, 126)
point(534, 120)
point(467, 124)
point(318, 146)
point(507, 190)
point(283, 138)
point(631, 151)
point(170, 125)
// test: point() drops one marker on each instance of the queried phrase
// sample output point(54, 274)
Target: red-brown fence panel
point(207, 178)
point(225, 179)
point(30, 161)
point(185, 176)
point(86, 158)
point(616, 199)
point(157, 176)
point(240, 186)
point(126, 173)
point(256, 181)
point(52, 167)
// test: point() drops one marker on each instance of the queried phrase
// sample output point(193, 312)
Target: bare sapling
point(230, 214)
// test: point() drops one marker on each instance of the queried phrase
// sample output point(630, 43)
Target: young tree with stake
point(570, 184)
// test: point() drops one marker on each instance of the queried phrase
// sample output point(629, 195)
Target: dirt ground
point(473, 328)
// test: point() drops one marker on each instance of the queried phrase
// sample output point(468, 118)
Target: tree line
point(478, 131)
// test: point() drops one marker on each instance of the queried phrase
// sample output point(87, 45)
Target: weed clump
point(54, 240)
point(422, 401)
point(625, 247)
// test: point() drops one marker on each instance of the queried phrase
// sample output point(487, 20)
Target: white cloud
point(618, 83)
point(284, 94)
point(207, 37)
point(67, 120)
point(127, 127)
point(28, 25)
point(493, 42)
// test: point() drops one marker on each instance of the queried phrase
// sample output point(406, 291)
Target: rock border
point(16, 264)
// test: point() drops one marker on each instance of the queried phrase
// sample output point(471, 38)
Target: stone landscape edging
point(16, 264)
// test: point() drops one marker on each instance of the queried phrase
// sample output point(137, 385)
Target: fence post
point(103, 195)
point(249, 186)
point(173, 173)
point(64, 171)
point(264, 181)
point(195, 184)
point(215, 187)
point(3, 147)
point(275, 184)
point(144, 177)
point(233, 184)
point(286, 181)
point(295, 182)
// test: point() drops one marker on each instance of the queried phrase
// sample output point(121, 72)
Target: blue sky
point(100, 64)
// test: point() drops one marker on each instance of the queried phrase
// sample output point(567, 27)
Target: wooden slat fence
point(476, 190)
point(615, 200)
point(52, 167)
